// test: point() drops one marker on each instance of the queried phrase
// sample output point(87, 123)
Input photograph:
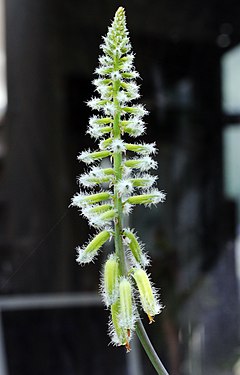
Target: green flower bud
point(144, 149)
point(148, 295)
point(100, 220)
point(108, 171)
point(118, 335)
point(99, 209)
point(127, 309)
point(108, 215)
point(105, 143)
point(136, 247)
point(153, 197)
point(130, 75)
point(110, 280)
point(90, 180)
point(140, 199)
point(103, 120)
point(87, 254)
point(144, 164)
point(105, 129)
point(144, 182)
point(138, 110)
point(93, 198)
point(89, 157)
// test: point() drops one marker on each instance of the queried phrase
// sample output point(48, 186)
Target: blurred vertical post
point(33, 161)
point(3, 105)
point(3, 84)
point(3, 361)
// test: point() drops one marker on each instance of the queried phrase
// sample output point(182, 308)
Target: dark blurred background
point(188, 54)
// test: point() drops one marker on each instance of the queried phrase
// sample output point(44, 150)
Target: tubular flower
point(110, 280)
point(126, 183)
point(119, 336)
point(148, 295)
point(127, 316)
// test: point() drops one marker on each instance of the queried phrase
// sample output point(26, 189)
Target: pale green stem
point(149, 349)
point(117, 159)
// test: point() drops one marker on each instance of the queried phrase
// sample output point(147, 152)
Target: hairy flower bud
point(127, 309)
point(90, 157)
point(144, 149)
point(152, 197)
point(81, 200)
point(136, 247)
point(144, 182)
point(148, 296)
point(96, 209)
point(144, 164)
point(87, 254)
point(110, 282)
point(118, 335)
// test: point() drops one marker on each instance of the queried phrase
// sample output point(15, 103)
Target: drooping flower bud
point(148, 295)
point(110, 281)
point(127, 314)
point(119, 336)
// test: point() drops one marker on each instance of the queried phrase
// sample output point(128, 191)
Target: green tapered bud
point(145, 149)
point(100, 120)
point(99, 209)
point(145, 182)
point(153, 197)
point(127, 309)
point(119, 336)
point(89, 180)
point(87, 254)
point(110, 282)
point(101, 219)
point(105, 143)
point(144, 163)
point(148, 294)
point(108, 215)
point(90, 157)
point(81, 200)
point(108, 171)
point(136, 247)
point(105, 129)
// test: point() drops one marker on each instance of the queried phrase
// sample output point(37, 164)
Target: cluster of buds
point(108, 193)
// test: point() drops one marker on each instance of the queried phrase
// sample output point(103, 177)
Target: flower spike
point(126, 182)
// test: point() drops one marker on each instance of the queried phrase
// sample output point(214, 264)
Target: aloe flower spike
point(117, 114)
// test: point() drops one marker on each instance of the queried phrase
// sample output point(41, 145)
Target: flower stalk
point(129, 183)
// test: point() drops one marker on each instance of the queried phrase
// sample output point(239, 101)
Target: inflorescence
point(125, 282)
